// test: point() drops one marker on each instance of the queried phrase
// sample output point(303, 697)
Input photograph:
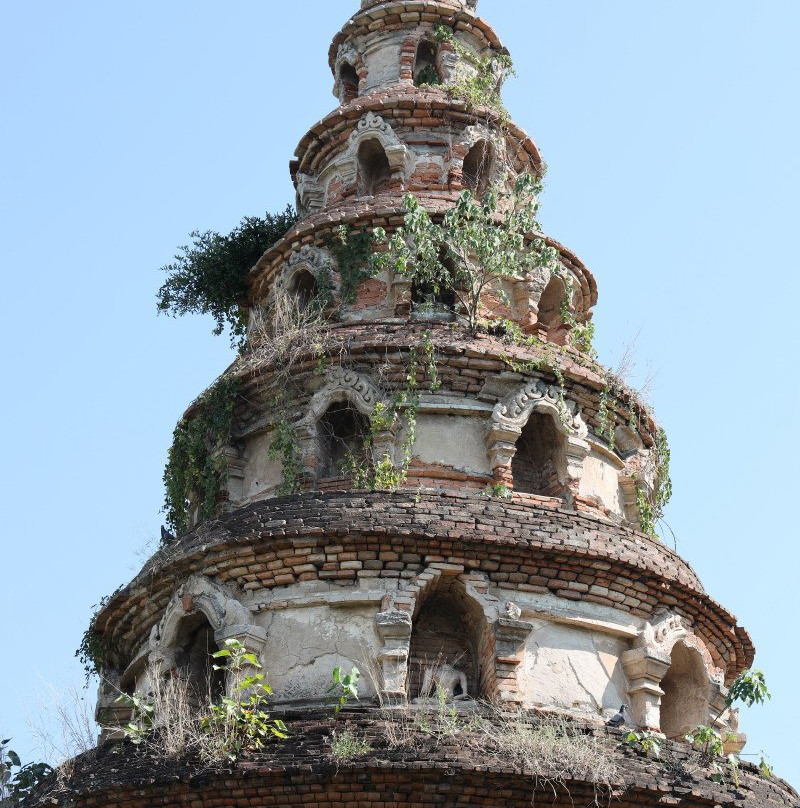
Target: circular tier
point(427, 135)
point(318, 232)
point(400, 765)
point(387, 16)
point(339, 574)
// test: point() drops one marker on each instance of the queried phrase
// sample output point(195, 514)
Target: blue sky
point(671, 132)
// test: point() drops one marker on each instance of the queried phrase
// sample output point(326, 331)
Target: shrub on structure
point(195, 467)
point(18, 780)
point(209, 275)
point(167, 722)
point(478, 244)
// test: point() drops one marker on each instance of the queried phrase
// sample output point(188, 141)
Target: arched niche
point(477, 170)
point(684, 704)
point(551, 319)
point(426, 64)
point(374, 170)
point(338, 412)
point(193, 646)
point(450, 628)
point(512, 417)
point(200, 613)
point(343, 438)
point(348, 82)
point(304, 288)
point(539, 463)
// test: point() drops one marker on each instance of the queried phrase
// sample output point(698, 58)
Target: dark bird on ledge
point(617, 720)
point(166, 536)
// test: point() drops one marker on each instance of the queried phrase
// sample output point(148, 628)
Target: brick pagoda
point(511, 551)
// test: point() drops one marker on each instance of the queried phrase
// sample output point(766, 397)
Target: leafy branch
point(209, 275)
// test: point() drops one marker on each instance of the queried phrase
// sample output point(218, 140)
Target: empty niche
point(304, 289)
point(343, 435)
point(194, 645)
point(349, 81)
point(684, 704)
point(448, 630)
point(550, 317)
point(540, 458)
point(373, 167)
point(478, 168)
point(426, 70)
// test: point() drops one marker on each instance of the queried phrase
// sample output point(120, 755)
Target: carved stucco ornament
point(308, 258)
point(647, 663)
point(512, 414)
point(342, 385)
point(227, 615)
point(346, 54)
point(369, 127)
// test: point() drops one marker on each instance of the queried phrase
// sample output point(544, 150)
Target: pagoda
point(461, 509)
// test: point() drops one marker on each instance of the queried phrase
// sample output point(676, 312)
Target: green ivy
point(477, 244)
point(353, 251)
point(481, 88)
point(195, 465)
point(386, 474)
point(581, 333)
point(651, 508)
point(93, 650)
point(286, 448)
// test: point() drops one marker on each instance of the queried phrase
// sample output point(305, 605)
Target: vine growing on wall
point(479, 84)
point(196, 470)
point(651, 508)
point(93, 651)
point(388, 473)
point(286, 448)
point(354, 254)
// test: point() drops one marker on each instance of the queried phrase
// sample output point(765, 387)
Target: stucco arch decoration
point(648, 661)
point(505, 632)
point(312, 192)
point(510, 416)
point(349, 55)
point(343, 385)
point(228, 616)
point(308, 258)
point(370, 126)
point(467, 139)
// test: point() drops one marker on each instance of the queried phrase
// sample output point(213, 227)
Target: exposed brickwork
point(387, 211)
point(464, 365)
point(425, 112)
point(389, 16)
point(446, 773)
point(518, 545)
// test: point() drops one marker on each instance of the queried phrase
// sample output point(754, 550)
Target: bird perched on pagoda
point(617, 720)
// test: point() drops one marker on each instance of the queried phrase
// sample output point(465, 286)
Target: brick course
point(448, 773)
point(519, 546)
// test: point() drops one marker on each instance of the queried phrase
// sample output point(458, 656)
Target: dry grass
point(347, 745)
point(64, 726)
point(286, 333)
point(551, 748)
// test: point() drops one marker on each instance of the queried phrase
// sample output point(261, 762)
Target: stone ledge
point(518, 546)
point(445, 771)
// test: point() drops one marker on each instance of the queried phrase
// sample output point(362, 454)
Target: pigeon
point(617, 720)
point(166, 536)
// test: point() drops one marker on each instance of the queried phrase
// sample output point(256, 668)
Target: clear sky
point(671, 131)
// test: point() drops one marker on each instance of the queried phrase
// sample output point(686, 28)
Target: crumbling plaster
point(579, 657)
